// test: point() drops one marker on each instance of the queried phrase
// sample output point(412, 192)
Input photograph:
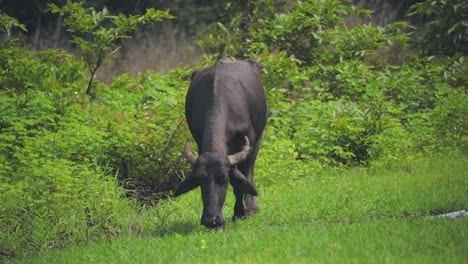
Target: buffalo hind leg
point(248, 170)
point(246, 203)
point(250, 200)
point(240, 209)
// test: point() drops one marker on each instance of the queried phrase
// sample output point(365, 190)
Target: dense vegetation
point(73, 149)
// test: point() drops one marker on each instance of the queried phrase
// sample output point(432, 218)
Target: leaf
point(454, 27)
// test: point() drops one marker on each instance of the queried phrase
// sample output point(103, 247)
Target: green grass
point(381, 214)
point(420, 240)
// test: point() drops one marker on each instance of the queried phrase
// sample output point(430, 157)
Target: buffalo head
point(213, 172)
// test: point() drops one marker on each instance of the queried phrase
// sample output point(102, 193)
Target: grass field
point(362, 215)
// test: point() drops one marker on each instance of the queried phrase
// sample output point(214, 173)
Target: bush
point(330, 94)
point(450, 119)
point(102, 30)
point(48, 156)
point(444, 29)
point(146, 128)
point(63, 153)
point(65, 157)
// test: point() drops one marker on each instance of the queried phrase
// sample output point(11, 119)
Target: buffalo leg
point(240, 209)
point(246, 204)
point(250, 200)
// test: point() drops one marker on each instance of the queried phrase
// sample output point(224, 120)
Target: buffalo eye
point(200, 175)
point(223, 175)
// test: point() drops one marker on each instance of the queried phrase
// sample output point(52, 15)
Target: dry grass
point(150, 49)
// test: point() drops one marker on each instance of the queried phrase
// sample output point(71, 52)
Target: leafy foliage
point(96, 33)
point(7, 24)
point(146, 132)
point(64, 158)
point(329, 93)
point(446, 31)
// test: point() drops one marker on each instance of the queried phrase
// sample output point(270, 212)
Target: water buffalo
point(226, 113)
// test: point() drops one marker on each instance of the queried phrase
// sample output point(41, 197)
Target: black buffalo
point(226, 113)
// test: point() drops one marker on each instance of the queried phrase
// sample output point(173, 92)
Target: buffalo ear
point(238, 180)
point(186, 185)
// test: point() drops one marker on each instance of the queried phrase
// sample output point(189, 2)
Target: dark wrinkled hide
point(226, 113)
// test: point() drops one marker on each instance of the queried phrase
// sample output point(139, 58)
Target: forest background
point(88, 140)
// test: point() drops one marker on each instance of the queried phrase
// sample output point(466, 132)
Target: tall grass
point(154, 50)
point(375, 215)
point(149, 49)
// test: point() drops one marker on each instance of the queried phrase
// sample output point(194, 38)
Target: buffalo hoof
point(244, 216)
point(240, 217)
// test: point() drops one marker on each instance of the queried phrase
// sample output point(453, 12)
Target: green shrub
point(7, 26)
point(21, 70)
point(61, 153)
point(329, 93)
point(50, 180)
point(450, 120)
point(146, 127)
point(443, 31)
point(102, 30)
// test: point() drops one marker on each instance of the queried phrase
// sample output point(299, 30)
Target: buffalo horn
point(191, 158)
point(241, 155)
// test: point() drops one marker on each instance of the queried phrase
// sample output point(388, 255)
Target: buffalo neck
point(214, 139)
